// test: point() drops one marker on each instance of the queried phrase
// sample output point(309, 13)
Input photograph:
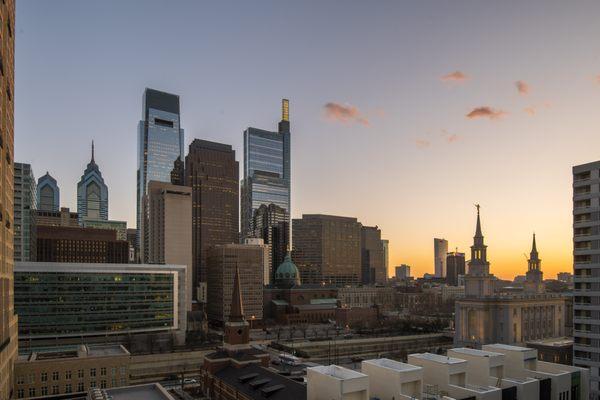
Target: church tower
point(478, 282)
point(534, 277)
point(237, 331)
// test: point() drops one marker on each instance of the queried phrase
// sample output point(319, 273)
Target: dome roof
point(287, 273)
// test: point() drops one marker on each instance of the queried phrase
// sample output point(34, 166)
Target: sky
point(403, 114)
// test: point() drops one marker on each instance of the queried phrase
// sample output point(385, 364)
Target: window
point(93, 384)
point(31, 392)
point(103, 371)
point(20, 380)
point(68, 388)
point(80, 373)
point(55, 375)
point(113, 371)
point(92, 371)
point(31, 378)
point(123, 370)
point(80, 387)
point(68, 374)
point(44, 390)
point(21, 393)
point(103, 384)
point(44, 377)
point(54, 389)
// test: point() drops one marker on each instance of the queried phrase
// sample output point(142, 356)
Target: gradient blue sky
point(415, 169)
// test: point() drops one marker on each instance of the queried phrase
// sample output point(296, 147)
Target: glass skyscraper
point(160, 143)
point(92, 193)
point(267, 170)
point(25, 205)
point(48, 193)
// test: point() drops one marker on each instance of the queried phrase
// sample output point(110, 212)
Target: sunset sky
point(404, 114)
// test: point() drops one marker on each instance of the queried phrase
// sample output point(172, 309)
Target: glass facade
point(266, 172)
point(24, 213)
point(92, 193)
point(81, 303)
point(160, 143)
point(48, 194)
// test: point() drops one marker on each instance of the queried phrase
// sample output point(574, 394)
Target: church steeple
point(534, 261)
point(534, 277)
point(479, 249)
point(237, 308)
point(237, 330)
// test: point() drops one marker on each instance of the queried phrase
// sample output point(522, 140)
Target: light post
point(252, 318)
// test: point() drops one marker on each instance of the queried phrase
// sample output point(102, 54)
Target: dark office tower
point(178, 172)
point(160, 142)
point(213, 174)
point(455, 266)
point(271, 223)
point(8, 321)
point(266, 170)
point(327, 249)
point(48, 194)
point(92, 193)
point(373, 268)
point(25, 205)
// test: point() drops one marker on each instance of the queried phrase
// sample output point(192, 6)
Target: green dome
point(287, 273)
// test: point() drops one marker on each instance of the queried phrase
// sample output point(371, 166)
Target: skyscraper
point(372, 256)
point(160, 142)
point(92, 193)
point(8, 321)
point(25, 205)
point(213, 174)
point(267, 169)
point(455, 266)
point(271, 224)
point(48, 194)
point(170, 227)
point(327, 249)
point(586, 304)
point(440, 250)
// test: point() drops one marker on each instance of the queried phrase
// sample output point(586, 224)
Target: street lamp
point(252, 318)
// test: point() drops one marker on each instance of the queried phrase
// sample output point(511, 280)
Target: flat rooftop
point(509, 347)
point(338, 372)
point(476, 353)
point(554, 342)
point(73, 352)
point(151, 391)
point(438, 358)
point(393, 365)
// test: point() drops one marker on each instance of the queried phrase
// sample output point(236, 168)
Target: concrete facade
point(333, 382)
point(440, 251)
point(25, 204)
point(389, 379)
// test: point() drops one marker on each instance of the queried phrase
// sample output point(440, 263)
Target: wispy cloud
point(522, 87)
point(344, 113)
point(422, 143)
point(597, 79)
point(531, 110)
point(450, 137)
point(456, 76)
point(486, 112)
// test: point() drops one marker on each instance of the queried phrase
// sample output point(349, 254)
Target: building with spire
point(92, 193)
point(48, 194)
point(486, 316)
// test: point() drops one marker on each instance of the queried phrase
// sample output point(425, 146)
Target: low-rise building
point(383, 297)
point(389, 379)
point(332, 382)
point(73, 370)
point(151, 391)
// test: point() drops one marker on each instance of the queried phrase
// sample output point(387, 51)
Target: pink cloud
point(522, 87)
point(345, 114)
point(486, 112)
point(456, 76)
point(450, 137)
point(597, 79)
point(531, 110)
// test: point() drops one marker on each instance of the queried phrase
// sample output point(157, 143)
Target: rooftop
point(477, 353)
point(438, 358)
point(393, 365)
point(151, 391)
point(337, 372)
point(81, 351)
point(554, 342)
point(508, 347)
point(257, 382)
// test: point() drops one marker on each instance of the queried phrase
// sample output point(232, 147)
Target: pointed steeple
point(534, 247)
point(93, 162)
point(237, 308)
point(534, 261)
point(478, 227)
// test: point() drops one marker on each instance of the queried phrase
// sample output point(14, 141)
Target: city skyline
point(494, 131)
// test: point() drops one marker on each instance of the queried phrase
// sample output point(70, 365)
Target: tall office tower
point(586, 307)
point(386, 256)
point(92, 193)
point(271, 224)
point(48, 194)
point(267, 169)
point(372, 256)
point(170, 227)
point(178, 172)
point(455, 266)
point(440, 250)
point(222, 262)
point(534, 277)
point(160, 142)
point(403, 272)
point(8, 320)
point(213, 174)
point(25, 205)
point(327, 249)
